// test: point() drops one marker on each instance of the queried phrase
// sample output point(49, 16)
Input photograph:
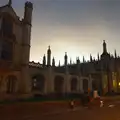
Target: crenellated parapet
point(34, 64)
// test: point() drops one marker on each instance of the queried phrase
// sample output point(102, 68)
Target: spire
point(83, 59)
point(44, 60)
point(115, 54)
point(77, 60)
point(49, 50)
point(53, 61)
point(59, 63)
point(49, 56)
point(10, 2)
point(98, 56)
point(104, 47)
point(90, 58)
point(66, 54)
point(70, 61)
point(49, 47)
point(65, 58)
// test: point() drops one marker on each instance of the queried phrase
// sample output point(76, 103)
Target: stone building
point(14, 41)
point(19, 77)
point(102, 74)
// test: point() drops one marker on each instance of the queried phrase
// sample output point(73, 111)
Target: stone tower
point(49, 56)
point(104, 47)
point(10, 2)
point(26, 33)
point(65, 59)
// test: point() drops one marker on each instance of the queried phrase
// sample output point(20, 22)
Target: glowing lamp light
point(119, 83)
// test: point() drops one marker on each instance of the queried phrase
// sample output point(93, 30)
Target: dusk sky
point(77, 27)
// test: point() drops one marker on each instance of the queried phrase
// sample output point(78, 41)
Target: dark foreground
point(37, 111)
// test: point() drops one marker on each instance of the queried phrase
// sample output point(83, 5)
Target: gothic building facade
point(21, 78)
point(102, 74)
point(14, 41)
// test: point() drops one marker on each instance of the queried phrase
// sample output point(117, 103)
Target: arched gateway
point(74, 84)
point(38, 83)
point(85, 85)
point(58, 84)
point(11, 84)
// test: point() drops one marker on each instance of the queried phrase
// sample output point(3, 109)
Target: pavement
point(61, 111)
point(81, 113)
point(109, 111)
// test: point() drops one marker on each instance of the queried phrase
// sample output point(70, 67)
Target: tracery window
point(6, 50)
point(11, 84)
point(7, 27)
point(6, 44)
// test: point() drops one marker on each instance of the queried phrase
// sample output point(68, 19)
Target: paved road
point(84, 114)
point(111, 111)
point(108, 112)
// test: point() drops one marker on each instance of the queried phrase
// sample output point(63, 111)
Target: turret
point(105, 55)
point(28, 12)
point(26, 32)
point(53, 62)
point(77, 60)
point(91, 58)
point(25, 46)
point(83, 59)
point(44, 60)
point(104, 47)
point(98, 57)
point(115, 54)
point(49, 56)
point(66, 62)
point(70, 61)
point(59, 63)
point(65, 59)
point(10, 2)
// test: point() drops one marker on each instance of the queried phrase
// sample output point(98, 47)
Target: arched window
point(7, 27)
point(6, 50)
point(11, 84)
point(6, 45)
point(74, 84)
point(38, 83)
point(58, 84)
point(85, 85)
